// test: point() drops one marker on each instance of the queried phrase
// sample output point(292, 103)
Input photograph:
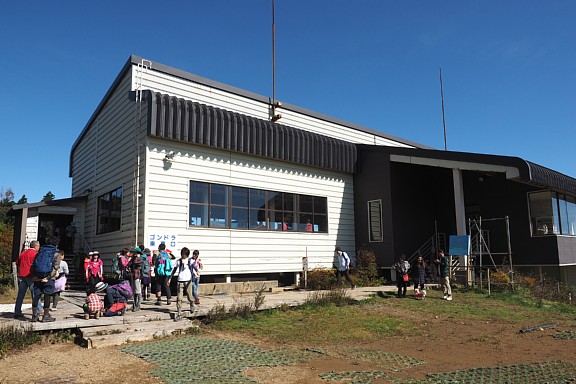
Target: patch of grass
point(16, 338)
point(8, 294)
point(318, 324)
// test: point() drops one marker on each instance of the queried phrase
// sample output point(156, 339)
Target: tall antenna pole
point(275, 104)
point(443, 116)
point(273, 58)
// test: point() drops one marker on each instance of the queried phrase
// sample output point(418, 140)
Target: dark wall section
point(422, 201)
point(491, 196)
point(372, 182)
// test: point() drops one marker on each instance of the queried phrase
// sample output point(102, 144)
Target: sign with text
point(155, 239)
point(459, 245)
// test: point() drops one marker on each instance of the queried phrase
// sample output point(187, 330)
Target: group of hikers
point(141, 275)
point(420, 272)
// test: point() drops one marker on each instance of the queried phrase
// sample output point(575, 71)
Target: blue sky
point(509, 70)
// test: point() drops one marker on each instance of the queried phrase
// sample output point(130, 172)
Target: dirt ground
point(441, 343)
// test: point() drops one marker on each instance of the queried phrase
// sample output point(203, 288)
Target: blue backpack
point(164, 264)
point(43, 262)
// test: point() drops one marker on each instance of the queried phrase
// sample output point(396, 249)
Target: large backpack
point(44, 261)
point(145, 266)
point(125, 289)
point(164, 264)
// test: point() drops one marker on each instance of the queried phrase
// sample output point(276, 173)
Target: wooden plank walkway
point(153, 321)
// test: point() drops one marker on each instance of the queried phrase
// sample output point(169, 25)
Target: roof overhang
point(515, 168)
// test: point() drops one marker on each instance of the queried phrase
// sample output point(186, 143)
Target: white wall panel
point(230, 251)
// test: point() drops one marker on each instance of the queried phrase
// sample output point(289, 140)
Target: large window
point(552, 213)
point(109, 211)
point(223, 206)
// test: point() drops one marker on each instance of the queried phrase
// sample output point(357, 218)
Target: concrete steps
point(118, 334)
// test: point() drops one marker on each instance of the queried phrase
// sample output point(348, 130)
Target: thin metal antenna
point(443, 116)
point(275, 104)
point(273, 56)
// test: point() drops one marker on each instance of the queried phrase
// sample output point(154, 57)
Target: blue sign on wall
point(459, 245)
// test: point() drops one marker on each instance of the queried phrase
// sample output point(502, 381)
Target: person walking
point(25, 278)
point(343, 267)
point(444, 262)
point(402, 267)
point(163, 268)
point(184, 271)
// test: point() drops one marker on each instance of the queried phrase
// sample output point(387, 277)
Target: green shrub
point(321, 278)
point(366, 273)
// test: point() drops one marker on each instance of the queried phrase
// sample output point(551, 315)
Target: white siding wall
point(104, 161)
point(230, 251)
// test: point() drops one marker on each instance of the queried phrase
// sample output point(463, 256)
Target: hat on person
point(338, 249)
point(137, 250)
point(96, 253)
point(100, 286)
point(147, 251)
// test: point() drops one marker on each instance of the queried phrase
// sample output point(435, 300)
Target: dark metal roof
point(529, 172)
point(183, 120)
point(551, 179)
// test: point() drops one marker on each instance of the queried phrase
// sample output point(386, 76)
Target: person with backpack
point(44, 269)
point(135, 268)
point(163, 267)
point(146, 274)
point(184, 272)
point(25, 277)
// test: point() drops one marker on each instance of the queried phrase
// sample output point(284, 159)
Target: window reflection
point(222, 206)
point(552, 213)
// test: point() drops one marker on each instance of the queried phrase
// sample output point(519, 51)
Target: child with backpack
point(163, 266)
point(184, 271)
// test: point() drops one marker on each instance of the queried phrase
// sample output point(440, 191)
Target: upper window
point(223, 206)
point(109, 211)
point(552, 213)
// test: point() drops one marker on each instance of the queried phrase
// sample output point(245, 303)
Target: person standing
point(25, 278)
point(402, 267)
point(197, 266)
point(163, 265)
point(60, 280)
point(420, 272)
point(44, 269)
point(146, 274)
point(135, 268)
point(444, 262)
point(343, 267)
point(94, 270)
point(184, 271)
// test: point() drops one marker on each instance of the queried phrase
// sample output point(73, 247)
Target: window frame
point(109, 219)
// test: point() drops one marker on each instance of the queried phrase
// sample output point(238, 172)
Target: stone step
point(118, 334)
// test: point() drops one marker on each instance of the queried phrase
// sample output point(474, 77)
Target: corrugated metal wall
point(184, 120)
